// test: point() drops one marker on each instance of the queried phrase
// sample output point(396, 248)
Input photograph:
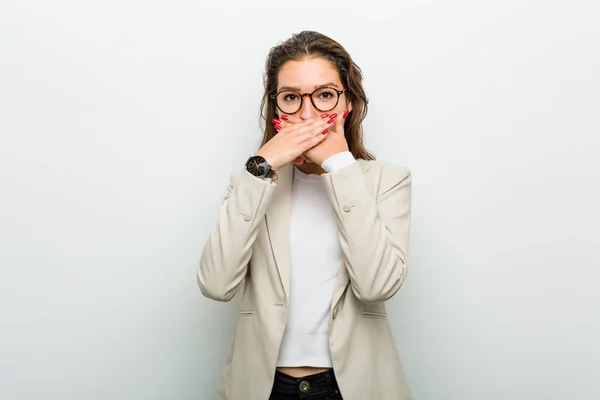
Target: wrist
point(338, 161)
point(269, 159)
point(258, 166)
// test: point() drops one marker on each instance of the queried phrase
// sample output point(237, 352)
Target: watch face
point(257, 166)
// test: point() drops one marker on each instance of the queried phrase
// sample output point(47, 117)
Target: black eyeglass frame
point(303, 95)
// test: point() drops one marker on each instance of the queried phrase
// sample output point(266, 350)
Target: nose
point(307, 110)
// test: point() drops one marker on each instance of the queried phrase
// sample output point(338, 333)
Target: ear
point(349, 106)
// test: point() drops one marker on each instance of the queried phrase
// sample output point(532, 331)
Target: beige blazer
point(250, 244)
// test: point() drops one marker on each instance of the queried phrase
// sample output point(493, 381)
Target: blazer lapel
point(343, 278)
point(278, 224)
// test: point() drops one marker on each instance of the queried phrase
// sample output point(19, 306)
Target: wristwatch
point(260, 168)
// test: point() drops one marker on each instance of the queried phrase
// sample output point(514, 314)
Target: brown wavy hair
point(310, 44)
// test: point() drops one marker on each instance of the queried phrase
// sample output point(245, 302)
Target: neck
point(311, 169)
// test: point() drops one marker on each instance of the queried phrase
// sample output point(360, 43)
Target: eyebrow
point(295, 89)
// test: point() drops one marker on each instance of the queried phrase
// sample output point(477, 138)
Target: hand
point(293, 140)
point(334, 144)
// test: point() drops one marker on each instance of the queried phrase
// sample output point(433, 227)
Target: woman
point(318, 232)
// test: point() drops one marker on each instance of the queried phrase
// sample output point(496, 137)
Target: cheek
point(341, 107)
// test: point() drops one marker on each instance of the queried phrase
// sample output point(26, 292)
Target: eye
point(326, 95)
point(290, 97)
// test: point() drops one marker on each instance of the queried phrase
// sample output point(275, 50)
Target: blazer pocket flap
point(373, 314)
point(245, 314)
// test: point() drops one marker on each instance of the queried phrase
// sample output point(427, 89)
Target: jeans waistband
point(321, 382)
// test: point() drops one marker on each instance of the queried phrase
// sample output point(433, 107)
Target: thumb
point(299, 161)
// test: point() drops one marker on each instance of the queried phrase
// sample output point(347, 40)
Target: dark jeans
point(322, 386)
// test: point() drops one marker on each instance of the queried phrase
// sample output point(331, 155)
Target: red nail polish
point(346, 113)
point(278, 127)
point(285, 117)
point(276, 121)
point(332, 116)
point(325, 131)
point(324, 115)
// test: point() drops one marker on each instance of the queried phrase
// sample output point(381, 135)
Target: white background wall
point(121, 121)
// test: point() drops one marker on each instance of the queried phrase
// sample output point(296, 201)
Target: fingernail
point(276, 121)
point(278, 127)
point(325, 131)
point(324, 115)
point(345, 113)
point(285, 117)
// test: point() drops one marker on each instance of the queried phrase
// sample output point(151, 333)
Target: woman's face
point(305, 76)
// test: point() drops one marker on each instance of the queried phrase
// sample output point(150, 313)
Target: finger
point(313, 141)
point(345, 115)
point(303, 126)
point(338, 122)
point(278, 124)
point(313, 128)
point(289, 119)
point(301, 122)
point(292, 119)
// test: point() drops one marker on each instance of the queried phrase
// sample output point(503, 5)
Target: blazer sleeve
point(226, 254)
point(373, 227)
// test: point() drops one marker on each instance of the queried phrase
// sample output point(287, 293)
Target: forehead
point(307, 73)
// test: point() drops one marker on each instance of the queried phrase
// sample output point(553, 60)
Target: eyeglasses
point(324, 99)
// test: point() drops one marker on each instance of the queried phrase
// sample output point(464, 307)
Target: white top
point(315, 258)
